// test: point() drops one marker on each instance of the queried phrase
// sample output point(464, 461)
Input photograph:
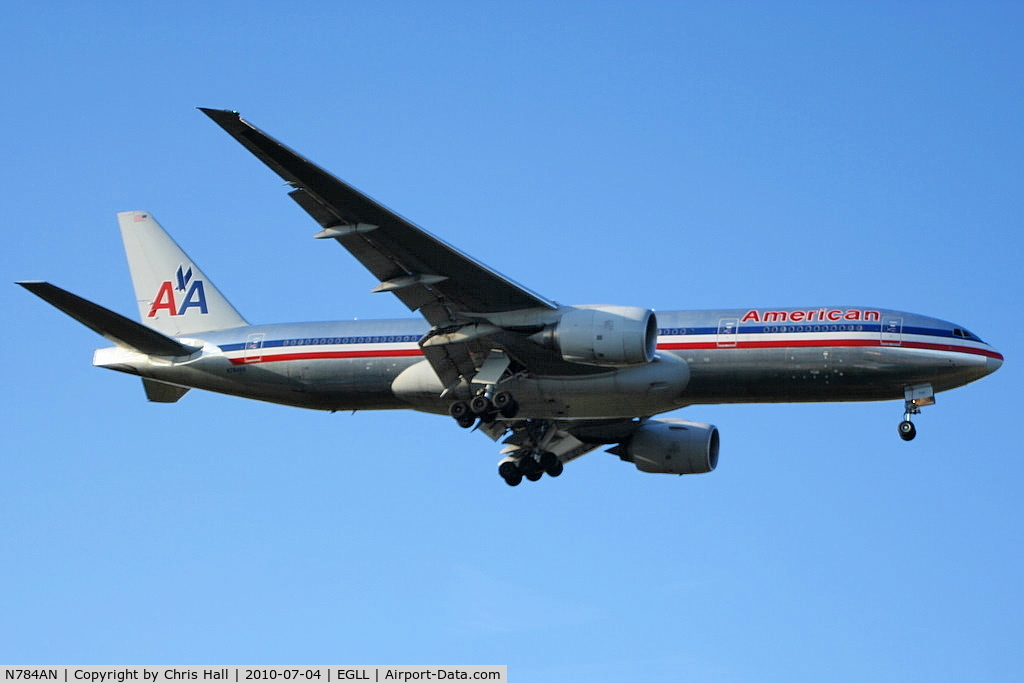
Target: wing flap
point(457, 361)
point(566, 439)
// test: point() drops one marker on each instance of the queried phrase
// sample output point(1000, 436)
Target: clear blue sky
point(671, 155)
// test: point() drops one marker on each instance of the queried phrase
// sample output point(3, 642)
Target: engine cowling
point(672, 447)
point(612, 336)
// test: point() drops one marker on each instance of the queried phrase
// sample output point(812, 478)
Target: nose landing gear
point(915, 397)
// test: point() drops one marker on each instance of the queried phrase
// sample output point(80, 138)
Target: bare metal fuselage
point(721, 356)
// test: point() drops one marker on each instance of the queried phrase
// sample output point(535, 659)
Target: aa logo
point(191, 295)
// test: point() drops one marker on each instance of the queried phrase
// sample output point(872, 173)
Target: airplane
point(552, 382)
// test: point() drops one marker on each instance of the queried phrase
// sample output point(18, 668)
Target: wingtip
point(229, 120)
point(216, 114)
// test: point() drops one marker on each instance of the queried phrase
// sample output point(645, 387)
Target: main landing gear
point(530, 460)
point(486, 409)
point(915, 397)
point(533, 467)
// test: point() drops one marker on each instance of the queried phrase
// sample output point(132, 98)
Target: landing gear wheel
point(460, 411)
point(907, 430)
point(510, 473)
point(530, 468)
point(480, 405)
point(550, 463)
point(505, 404)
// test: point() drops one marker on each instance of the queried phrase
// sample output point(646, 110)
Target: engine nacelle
point(672, 447)
point(611, 336)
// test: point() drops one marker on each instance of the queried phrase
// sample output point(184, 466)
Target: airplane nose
point(993, 363)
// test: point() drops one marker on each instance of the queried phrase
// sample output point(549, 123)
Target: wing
point(474, 311)
point(428, 275)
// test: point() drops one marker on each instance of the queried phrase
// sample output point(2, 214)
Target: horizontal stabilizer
point(114, 326)
point(160, 392)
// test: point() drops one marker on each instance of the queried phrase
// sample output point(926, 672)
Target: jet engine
point(611, 336)
point(672, 447)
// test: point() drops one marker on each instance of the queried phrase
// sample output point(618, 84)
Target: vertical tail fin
point(174, 296)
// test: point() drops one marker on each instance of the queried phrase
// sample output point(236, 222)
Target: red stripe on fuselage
point(668, 346)
point(321, 355)
point(826, 343)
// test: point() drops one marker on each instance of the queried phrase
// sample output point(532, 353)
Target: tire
point(480, 405)
point(509, 472)
point(506, 404)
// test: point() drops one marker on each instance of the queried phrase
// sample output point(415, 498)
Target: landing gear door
point(892, 331)
point(727, 329)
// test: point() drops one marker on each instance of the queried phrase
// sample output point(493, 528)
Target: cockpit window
point(965, 334)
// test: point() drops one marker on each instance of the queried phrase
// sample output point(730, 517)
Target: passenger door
point(892, 331)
